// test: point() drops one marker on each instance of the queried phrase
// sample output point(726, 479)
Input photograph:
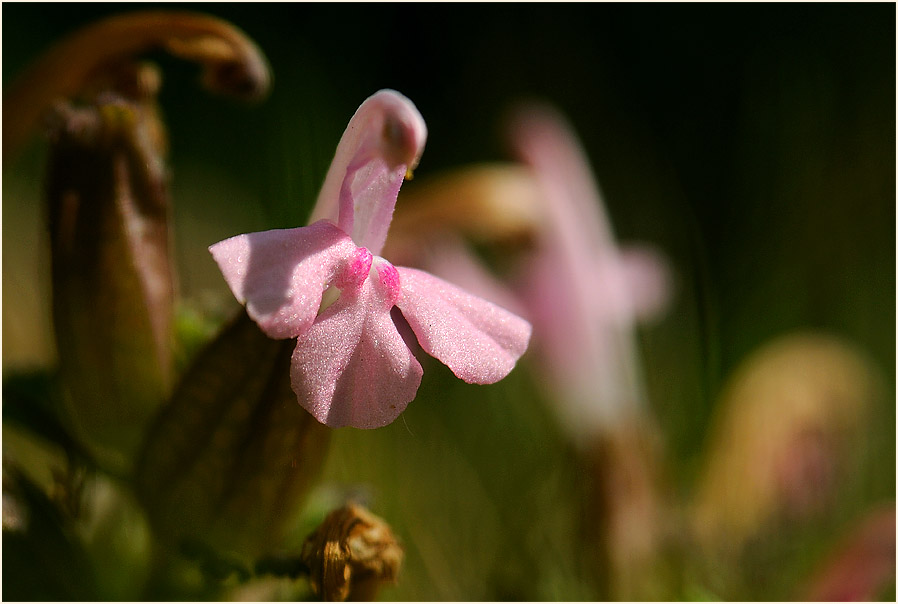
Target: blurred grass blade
point(231, 455)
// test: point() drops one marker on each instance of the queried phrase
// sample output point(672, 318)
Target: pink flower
point(325, 285)
point(583, 293)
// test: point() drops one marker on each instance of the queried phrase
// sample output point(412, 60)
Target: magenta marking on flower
point(357, 270)
point(351, 366)
point(389, 280)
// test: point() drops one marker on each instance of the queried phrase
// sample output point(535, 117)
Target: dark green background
point(754, 143)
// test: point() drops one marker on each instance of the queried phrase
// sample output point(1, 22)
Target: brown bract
point(109, 210)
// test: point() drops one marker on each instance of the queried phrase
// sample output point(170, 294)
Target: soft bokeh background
point(754, 144)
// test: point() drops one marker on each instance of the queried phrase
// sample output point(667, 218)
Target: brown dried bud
point(113, 283)
point(88, 61)
point(108, 208)
point(351, 554)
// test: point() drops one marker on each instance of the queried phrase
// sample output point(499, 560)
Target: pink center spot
point(356, 270)
point(389, 281)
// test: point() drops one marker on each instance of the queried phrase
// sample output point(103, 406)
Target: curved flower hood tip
point(351, 366)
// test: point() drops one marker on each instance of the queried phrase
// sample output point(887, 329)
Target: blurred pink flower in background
point(583, 293)
point(584, 296)
point(351, 366)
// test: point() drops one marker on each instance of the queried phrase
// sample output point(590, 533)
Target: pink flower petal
point(352, 368)
point(479, 341)
point(384, 139)
point(628, 285)
point(446, 255)
point(280, 275)
point(646, 274)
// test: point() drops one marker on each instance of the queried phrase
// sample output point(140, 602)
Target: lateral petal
point(648, 276)
point(479, 341)
point(280, 275)
point(630, 284)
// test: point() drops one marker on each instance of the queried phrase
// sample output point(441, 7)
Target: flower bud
point(231, 455)
point(113, 285)
point(108, 208)
point(88, 60)
point(351, 554)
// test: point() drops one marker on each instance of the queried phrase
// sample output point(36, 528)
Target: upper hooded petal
point(280, 275)
point(383, 141)
point(352, 368)
point(479, 341)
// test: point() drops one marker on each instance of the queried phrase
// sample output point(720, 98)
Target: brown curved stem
point(232, 63)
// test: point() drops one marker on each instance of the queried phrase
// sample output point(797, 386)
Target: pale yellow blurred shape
point(486, 202)
point(800, 386)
